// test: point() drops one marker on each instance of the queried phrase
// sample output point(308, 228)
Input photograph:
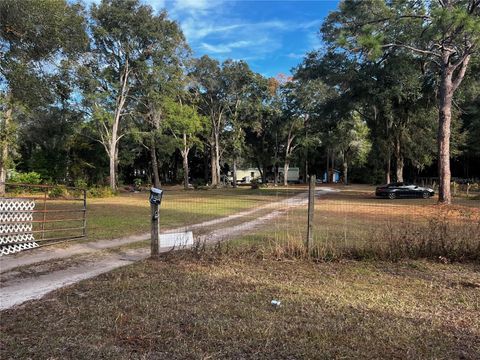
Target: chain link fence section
point(16, 216)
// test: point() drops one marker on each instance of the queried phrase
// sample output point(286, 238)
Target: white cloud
point(215, 27)
point(295, 56)
point(193, 5)
point(195, 29)
point(229, 47)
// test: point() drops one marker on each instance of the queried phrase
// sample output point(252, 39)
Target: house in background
point(292, 176)
point(249, 174)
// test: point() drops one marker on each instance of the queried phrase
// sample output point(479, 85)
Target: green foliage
point(137, 182)
point(184, 123)
point(81, 183)
point(352, 138)
point(57, 191)
point(127, 88)
point(199, 183)
point(100, 192)
point(25, 178)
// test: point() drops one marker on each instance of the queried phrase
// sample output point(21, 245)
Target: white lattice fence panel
point(16, 226)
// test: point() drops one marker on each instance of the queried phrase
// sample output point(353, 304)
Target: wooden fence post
point(155, 201)
point(311, 211)
point(155, 230)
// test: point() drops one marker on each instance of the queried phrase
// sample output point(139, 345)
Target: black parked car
point(403, 190)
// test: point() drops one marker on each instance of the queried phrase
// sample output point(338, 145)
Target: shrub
point(25, 178)
point(138, 183)
point(57, 191)
point(198, 183)
point(80, 183)
point(100, 192)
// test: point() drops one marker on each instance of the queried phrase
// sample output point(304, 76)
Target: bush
point(57, 191)
point(100, 192)
point(198, 183)
point(137, 183)
point(80, 183)
point(25, 178)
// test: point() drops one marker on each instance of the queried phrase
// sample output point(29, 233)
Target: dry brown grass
point(214, 305)
point(355, 225)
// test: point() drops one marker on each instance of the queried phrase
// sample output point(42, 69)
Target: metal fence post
point(311, 211)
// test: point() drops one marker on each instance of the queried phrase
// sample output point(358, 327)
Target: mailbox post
point(155, 201)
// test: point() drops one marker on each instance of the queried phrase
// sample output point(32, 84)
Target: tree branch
point(461, 73)
point(414, 49)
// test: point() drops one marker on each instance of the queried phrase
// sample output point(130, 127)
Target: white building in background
point(292, 176)
point(247, 175)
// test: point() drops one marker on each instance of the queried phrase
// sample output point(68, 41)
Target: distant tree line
point(111, 93)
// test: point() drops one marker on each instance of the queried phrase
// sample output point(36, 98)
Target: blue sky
point(272, 36)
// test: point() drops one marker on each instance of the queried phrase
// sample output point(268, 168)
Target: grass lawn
point(218, 306)
point(130, 213)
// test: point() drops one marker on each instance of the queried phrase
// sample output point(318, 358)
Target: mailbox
point(155, 196)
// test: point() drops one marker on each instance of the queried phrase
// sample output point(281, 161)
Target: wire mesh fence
point(220, 214)
point(349, 221)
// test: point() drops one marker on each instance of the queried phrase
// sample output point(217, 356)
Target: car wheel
point(392, 196)
point(425, 195)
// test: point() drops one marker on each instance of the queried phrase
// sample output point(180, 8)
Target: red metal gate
point(38, 215)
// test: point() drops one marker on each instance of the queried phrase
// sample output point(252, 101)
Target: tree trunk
point(328, 166)
point(4, 159)
point(185, 162)
point(399, 171)
point(153, 156)
point(234, 173)
point(113, 180)
point(387, 171)
point(345, 172)
point(445, 117)
point(217, 157)
point(399, 161)
point(205, 166)
point(306, 170)
point(213, 166)
point(113, 143)
point(185, 170)
point(285, 172)
point(332, 175)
